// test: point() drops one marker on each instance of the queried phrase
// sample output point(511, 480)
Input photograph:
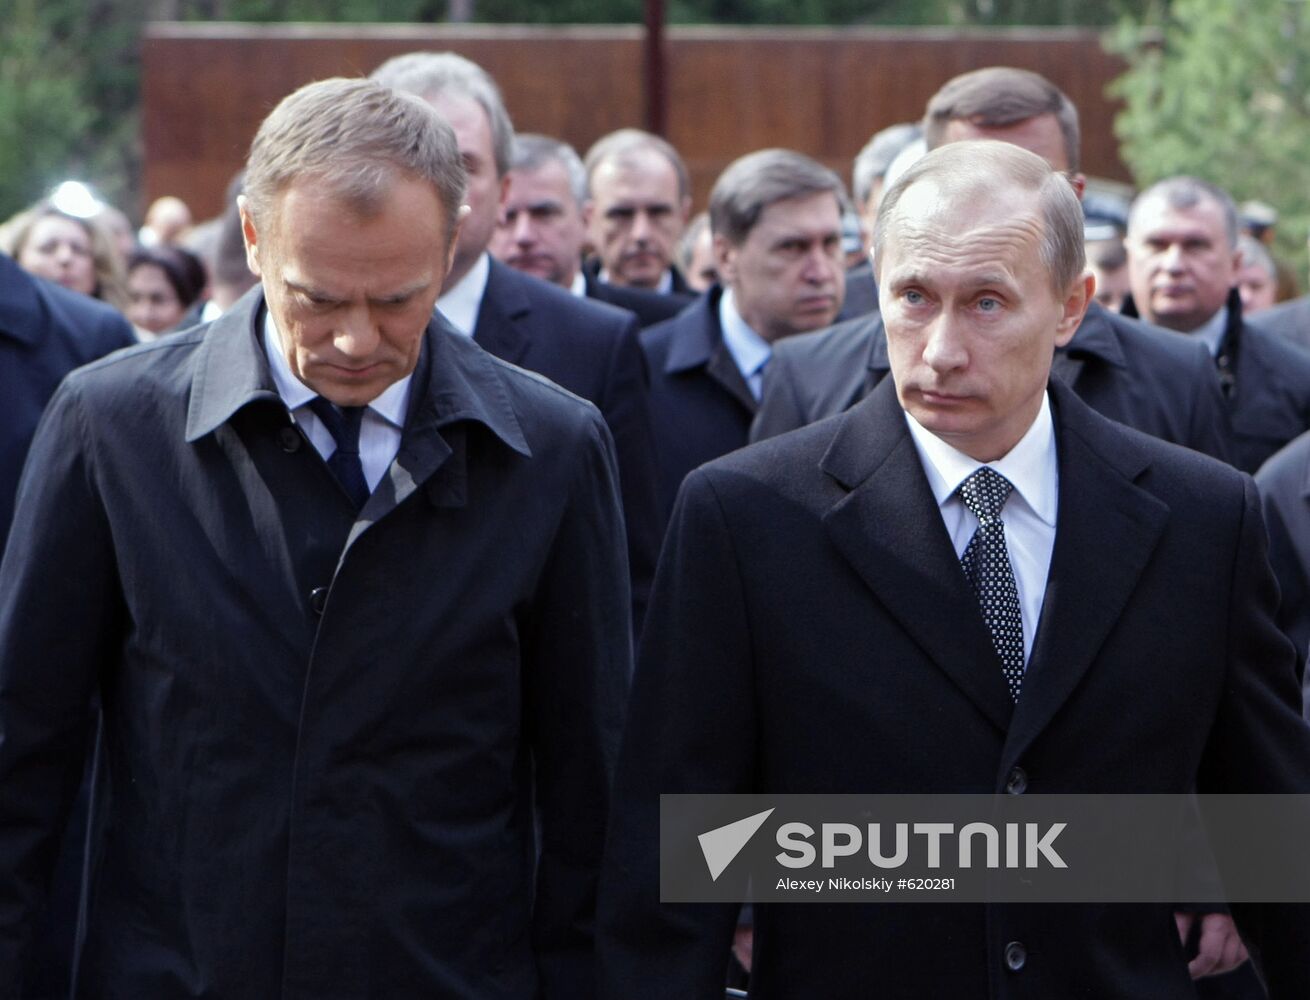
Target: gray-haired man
point(332, 571)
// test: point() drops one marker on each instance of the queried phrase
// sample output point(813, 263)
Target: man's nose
point(944, 350)
point(819, 267)
point(356, 336)
point(642, 226)
point(1173, 258)
point(524, 231)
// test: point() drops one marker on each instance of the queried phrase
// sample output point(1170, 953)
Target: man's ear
point(249, 235)
point(1075, 307)
point(1079, 182)
point(460, 216)
point(686, 209)
point(725, 260)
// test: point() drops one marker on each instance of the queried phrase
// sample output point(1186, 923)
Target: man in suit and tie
point(353, 597)
point(587, 347)
point(1124, 369)
point(1183, 261)
point(914, 597)
point(541, 230)
point(776, 219)
point(638, 202)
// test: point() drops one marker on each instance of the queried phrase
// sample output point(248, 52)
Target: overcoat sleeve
point(690, 729)
point(577, 667)
point(61, 620)
point(1260, 744)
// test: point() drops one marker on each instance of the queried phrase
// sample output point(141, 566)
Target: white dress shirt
point(1029, 513)
point(750, 352)
point(379, 431)
point(1212, 331)
point(579, 285)
point(460, 304)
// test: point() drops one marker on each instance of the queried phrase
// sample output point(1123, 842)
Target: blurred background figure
point(869, 171)
point(1108, 261)
point(1257, 276)
point(167, 221)
point(66, 249)
point(163, 283)
point(1259, 220)
point(115, 224)
point(695, 256)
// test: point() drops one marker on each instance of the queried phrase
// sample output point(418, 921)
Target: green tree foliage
point(1218, 89)
point(41, 107)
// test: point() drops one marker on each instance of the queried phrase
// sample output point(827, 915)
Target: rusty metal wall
point(729, 90)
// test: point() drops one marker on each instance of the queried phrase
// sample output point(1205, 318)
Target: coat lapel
point(455, 383)
point(699, 345)
point(499, 329)
point(1106, 530)
point(890, 529)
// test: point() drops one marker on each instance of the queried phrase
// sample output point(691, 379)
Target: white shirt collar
point(1212, 331)
point(460, 304)
point(1030, 466)
point(579, 286)
point(749, 350)
point(391, 405)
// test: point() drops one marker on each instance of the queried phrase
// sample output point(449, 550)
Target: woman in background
point(163, 282)
point(63, 248)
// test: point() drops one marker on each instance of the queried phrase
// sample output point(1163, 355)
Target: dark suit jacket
point(700, 405)
point(861, 296)
point(1287, 319)
point(45, 332)
point(811, 631)
point(347, 755)
point(678, 284)
point(1284, 483)
point(650, 307)
point(591, 350)
point(1133, 373)
point(1266, 386)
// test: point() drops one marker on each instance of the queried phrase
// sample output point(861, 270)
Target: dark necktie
point(987, 568)
point(343, 424)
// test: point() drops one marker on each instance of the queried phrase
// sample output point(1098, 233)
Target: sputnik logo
point(724, 843)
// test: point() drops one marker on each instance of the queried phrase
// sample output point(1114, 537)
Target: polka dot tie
point(987, 568)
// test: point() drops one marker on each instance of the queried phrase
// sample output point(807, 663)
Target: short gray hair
point(872, 161)
point(1184, 192)
point(355, 135)
point(979, 164)
point(532, 152)
point(755, 181)
point(996, 97)
point(430, 74)
point(627, 141)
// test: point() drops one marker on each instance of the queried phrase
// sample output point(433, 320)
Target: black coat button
point(318, 599)
point(1017, 783)
point(1016, 956)
point(289, 438)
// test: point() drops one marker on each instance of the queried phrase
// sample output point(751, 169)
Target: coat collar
point(1102, 509)
point(461, 382)
point(889, 528)
point(697, 343)
point(20, 305)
